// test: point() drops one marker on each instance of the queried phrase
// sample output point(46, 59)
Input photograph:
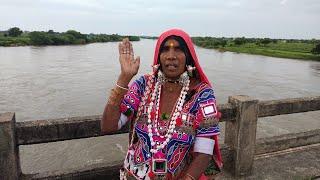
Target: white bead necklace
point(184, 80)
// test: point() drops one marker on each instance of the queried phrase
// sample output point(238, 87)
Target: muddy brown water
point(64, 81)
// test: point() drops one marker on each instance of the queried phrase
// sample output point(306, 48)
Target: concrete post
point(241, 135)
point(9, 152)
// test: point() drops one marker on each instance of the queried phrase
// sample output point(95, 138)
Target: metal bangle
point(124, 88)
point(190, 176)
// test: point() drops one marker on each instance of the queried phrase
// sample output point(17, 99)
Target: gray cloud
point(229, 18)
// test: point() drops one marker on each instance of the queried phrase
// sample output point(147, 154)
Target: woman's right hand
point(129, 65)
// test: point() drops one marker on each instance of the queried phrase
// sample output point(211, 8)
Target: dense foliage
point(15, 37)
point(285, 48)
point(14, 32)
point(316, 50)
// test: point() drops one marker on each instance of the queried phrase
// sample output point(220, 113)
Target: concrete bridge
point(278, 157)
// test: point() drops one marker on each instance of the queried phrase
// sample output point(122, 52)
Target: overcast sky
point(220, 18)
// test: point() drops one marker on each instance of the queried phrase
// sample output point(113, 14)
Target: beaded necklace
point(153, 115)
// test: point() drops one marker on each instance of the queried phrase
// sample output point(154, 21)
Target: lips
point(171, 66)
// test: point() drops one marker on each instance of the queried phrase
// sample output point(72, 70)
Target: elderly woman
point(172, 111)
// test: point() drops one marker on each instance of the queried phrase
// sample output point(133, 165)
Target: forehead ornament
point(171, 44)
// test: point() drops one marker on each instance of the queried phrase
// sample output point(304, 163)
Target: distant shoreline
point(15, 37)
point(27, 41)
point(291, 49)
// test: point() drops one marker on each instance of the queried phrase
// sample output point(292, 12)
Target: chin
point(172, 75)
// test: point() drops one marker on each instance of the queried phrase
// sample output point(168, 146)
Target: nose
point(171, 55)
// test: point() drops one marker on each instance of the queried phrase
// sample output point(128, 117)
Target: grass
point(273, 52)
point(292, 50)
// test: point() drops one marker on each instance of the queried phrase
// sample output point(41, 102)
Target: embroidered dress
point(196, 118)
point(154, 148)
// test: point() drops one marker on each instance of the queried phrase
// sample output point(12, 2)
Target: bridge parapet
point(240, 114)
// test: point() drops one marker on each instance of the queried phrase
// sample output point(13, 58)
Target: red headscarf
point(203, 77)
point(187, 39)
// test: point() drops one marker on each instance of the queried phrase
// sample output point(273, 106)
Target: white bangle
point(124, 88)
point(203, 145)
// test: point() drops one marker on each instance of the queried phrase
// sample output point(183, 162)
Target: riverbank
point(296, 49)
point(71, 37)
point(282, 50)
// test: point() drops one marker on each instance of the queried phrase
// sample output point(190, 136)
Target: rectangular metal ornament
point(159, 166)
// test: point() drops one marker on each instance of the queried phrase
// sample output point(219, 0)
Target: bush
point(134, 38)
point(40, 38)
point(316, 50)
point(240, 41)
point(55, 38)
point(14, 32)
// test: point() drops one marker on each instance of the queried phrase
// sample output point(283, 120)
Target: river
point(63, 81)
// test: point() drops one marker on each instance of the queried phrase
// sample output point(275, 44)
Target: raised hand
point(129, 65)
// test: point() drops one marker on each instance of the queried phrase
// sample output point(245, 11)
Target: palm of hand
point(129, 65)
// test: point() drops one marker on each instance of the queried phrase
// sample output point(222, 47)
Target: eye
point(178, 49)
point(165, 49)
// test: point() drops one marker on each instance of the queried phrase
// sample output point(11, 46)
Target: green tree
point(265, 41)
point(134, 38)
point(76, 34)
point(14, 32)
point(59, 40)
point(115, 37)
point(50, 32)
point(40, 38)
point(223, 42)
point(240, 41)
point(316, 50)
point(78, 37)
point(70, 39)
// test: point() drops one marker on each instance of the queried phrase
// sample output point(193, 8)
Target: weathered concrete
point(31, 132)
point(299, 163)
point(9, 153)
point(41, 131)
point(288, 106)
point(241, 134)
point(286, 141)
point(234, 153)
point(228, 112)
point(105, 157)
point(97, 172)
point(296, 163)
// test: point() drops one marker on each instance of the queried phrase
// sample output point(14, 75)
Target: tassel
point(156, 67)
point(179, 121)
point(151, 175)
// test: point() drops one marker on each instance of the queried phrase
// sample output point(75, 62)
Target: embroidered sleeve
point(131, 100)
point(207, 115)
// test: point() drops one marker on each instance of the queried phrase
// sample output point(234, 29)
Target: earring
point(190, 69)
point(155, 67)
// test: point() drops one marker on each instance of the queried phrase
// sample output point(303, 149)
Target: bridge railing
point(240, 114)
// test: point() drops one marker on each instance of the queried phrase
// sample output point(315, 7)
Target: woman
point(173, 112)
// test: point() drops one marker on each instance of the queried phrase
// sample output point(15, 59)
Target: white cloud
point(283, 2)
point(297, 19)
point(79, 3)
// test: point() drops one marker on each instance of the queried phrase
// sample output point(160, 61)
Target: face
point(172, 59)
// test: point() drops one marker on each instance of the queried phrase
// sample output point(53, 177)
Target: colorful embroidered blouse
point(197, 119)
